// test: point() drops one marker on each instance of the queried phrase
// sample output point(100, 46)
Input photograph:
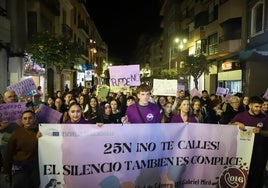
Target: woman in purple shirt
point(182, 112)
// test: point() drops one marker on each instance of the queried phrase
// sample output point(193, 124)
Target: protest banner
point(125, 75)
point(165, 87)
point(11, 111)
point(24, 88)
point(144, 155)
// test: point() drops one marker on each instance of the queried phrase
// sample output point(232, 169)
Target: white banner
point(144, 155)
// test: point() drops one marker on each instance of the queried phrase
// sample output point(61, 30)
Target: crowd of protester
point(84, 106)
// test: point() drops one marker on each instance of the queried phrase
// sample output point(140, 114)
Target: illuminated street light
point(179, 44)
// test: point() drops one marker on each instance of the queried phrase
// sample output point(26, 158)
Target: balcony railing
point(53, 6)
point(66, 30)
point(81, 25)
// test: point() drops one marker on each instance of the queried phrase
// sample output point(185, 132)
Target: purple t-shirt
point(178, 119)
point(150, 113)
point(252, 121)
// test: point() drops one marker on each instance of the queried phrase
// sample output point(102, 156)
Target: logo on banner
point(232, 177)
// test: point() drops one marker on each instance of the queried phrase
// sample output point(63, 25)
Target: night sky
point(121, 22)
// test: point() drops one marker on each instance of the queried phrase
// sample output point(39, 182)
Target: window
point(191, 30)
point(200, 47)
point(32, 23)
point(257, 18)
point(213, 10)
point(213, 44)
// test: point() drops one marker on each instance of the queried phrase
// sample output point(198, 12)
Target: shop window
point(257, 18)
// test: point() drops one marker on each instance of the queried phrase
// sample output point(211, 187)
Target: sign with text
point(165, 87)
point(24, 88)
point(222, 91)
point(11, 111)
point(126, 75)
point(144, 155)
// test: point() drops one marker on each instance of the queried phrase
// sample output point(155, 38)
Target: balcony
point(229, 45)
point(83, 27)
point(230, 9)
point(53, 6)
point(66, 30)
point(4, 26)
point(200, 33)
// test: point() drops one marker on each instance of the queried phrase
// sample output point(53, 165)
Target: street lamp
point(179, 45)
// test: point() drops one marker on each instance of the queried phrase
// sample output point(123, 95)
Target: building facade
point(230, 33)
point(25, 18)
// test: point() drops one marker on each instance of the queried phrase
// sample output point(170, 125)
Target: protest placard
point(24, 88)
point(165, 87)
point(11, 111)
point(47, 114)
point(125, 75)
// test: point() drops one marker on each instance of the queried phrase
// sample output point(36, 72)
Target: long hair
point(198, 113)
point(177, 110)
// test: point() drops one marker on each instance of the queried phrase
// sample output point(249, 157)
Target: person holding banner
point(75, 114)
point(92, 114)
point(264, 108)
point(116, 110)
point(259, 121)
point(106, 116)
point(182, 112)
point(142, 111)
point(21, 156)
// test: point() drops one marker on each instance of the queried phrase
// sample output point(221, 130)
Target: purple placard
point(222, 91)
point(24, 87)
point(181, 87)
point(126, 75)
point(11, 111)
point(266, 94)
point(195, 92)
point(228, 97)
point(48, 115)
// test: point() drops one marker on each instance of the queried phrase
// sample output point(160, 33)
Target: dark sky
point(121, 22)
